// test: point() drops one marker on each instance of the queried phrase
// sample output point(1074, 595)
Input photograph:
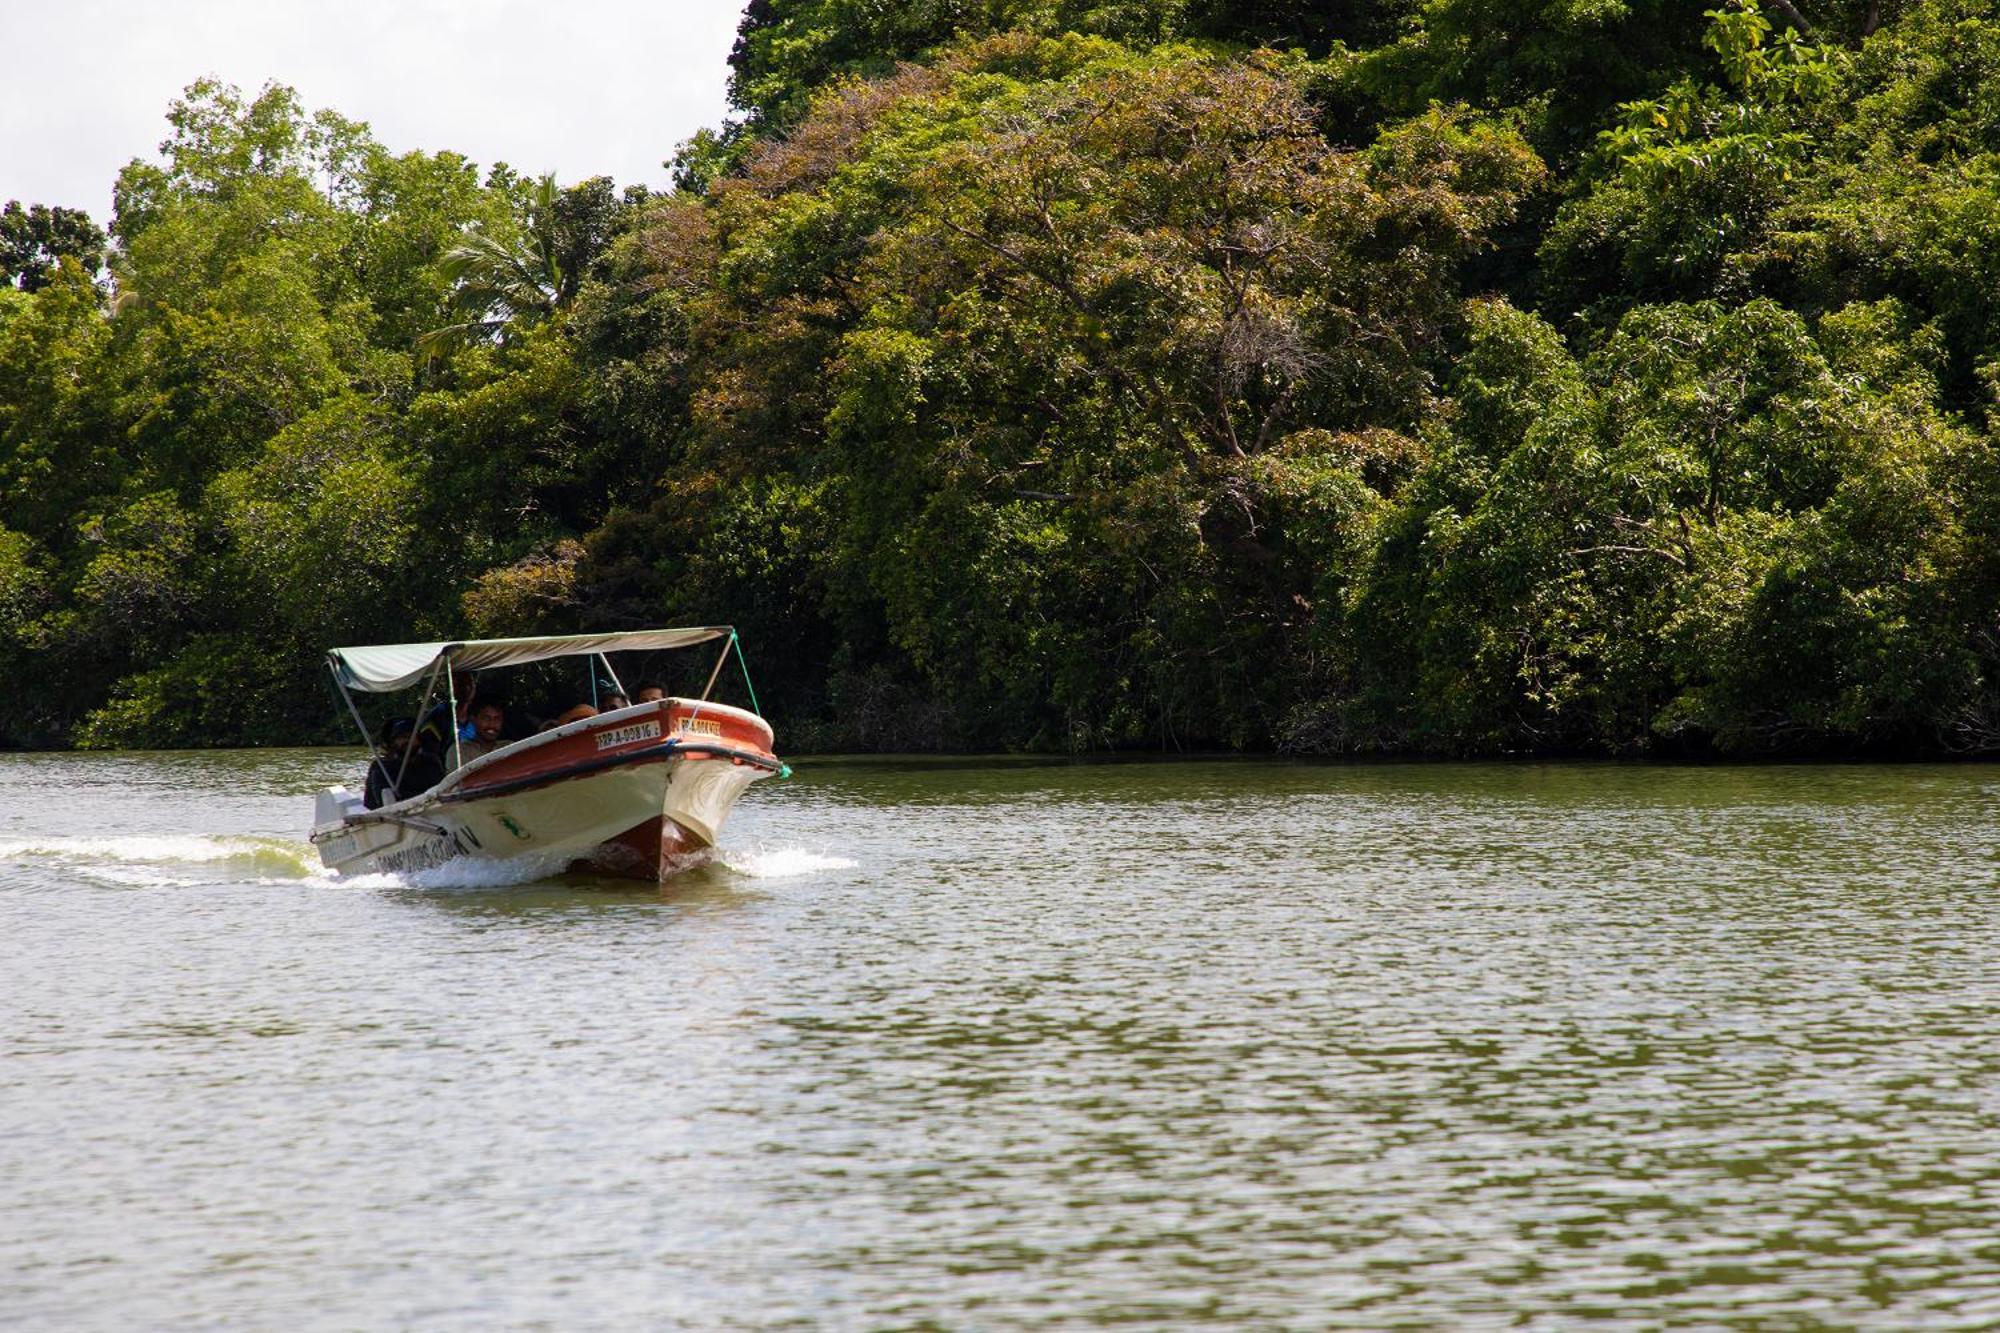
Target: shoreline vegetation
point(1403, 377)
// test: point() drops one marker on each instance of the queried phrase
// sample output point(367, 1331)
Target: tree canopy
point(1388, 376)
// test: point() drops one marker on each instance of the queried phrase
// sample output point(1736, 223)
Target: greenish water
point(1006, 1046)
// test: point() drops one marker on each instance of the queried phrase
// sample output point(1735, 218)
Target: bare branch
point(1668, 556)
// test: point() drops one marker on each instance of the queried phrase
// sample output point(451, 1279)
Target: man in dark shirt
point(399, 742)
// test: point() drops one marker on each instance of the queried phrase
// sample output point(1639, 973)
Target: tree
point(788, 50)
point(59, 447)
point(1682, 196)
point(1067, 331)
point(34, 240)
point(1442, 376)
point(499, 282)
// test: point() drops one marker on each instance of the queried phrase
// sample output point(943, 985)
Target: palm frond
point(495, 283)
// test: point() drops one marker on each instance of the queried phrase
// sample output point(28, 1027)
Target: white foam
point(461, 873)
point(148, 859)
point(271, 855)
point(113, 875)
point(780, 862)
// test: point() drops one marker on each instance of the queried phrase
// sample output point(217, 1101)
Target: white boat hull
point(638, 814)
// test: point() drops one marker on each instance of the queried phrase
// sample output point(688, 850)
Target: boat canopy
point(396, 666)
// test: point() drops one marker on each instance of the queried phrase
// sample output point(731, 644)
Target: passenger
point(612, 702)
point(488, 721)
point(650, 693)
point(464, 686)
point(400, 751)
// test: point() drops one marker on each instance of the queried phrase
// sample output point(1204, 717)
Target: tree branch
point(1668, 556)
point(1791, 13)
point(1060, 285)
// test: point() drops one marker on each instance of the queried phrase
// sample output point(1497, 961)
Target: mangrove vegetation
point(1381, 376)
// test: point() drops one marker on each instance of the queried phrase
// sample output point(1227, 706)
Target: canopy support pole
point(451, 697)
point(709, 688)
point(417, 731)
point(616, 683)
point(352, 711)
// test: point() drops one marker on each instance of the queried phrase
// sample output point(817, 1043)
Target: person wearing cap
point(400, 752)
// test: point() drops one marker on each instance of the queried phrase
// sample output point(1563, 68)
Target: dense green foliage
point(33, 241)
point(1432, 376)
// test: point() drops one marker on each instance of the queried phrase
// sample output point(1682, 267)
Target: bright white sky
point(578, 87)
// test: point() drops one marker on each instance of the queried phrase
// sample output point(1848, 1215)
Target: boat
point(638, 792)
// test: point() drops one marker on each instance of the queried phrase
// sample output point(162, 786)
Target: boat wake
point(139, 859)
point(179, 859)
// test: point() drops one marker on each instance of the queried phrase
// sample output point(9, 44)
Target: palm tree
point(496, 282)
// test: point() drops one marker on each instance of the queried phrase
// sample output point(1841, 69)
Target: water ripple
point(1018, 1046)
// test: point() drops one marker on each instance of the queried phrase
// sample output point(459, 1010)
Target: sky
point(578, 87)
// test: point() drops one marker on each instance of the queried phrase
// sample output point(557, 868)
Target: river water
point(1009, 1045)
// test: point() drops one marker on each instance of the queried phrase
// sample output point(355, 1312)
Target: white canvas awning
point(396, 666)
